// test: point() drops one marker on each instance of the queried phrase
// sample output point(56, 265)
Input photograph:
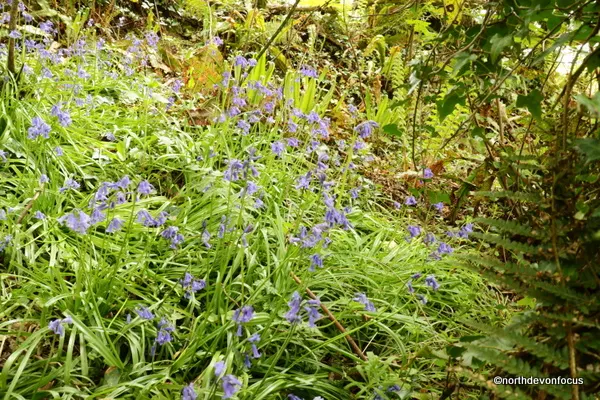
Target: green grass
point(48, 271)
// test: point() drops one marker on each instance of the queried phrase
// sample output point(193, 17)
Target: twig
point(30, 204)
point(339, 326)
point(285, 20)
point(14, 13)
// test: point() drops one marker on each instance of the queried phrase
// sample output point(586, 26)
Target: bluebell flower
point(292, 315)
point(422, 299)
point(244, 126)
point(359, 145)
point(397, 205)
point(312, 310)
point(5, 242)
point(14, 34)
point(255, 338)
point(144, 313)
point(97, 216)
point(38, 128)
point(47, 26)
point(292, 126)
point(57, 325)
point(365, 129)
point(217, 41)
point(240, 61)
point(416, 276)
point(315, 261)
point(231, 385)
point(427, 174)
point(465, 230)
point(79, 222)
point(232, 173)
point(411, 201)
point(58, 151)
point(439, 206)
point(191, 285)
point(63, 116)
point(164, 332)
point(293, 142)
point(114, 225)
point(308, 71)
point(3, 155)
point(410, 287)
point(362, 298)
point(444, 248)
point(414, 231)
point(44, 178)
point(242, 316)
point(206, 239)
point(277, 148)
point(294, 397)
point(354, 192)
point(219, 368)
point(39, 215)
point(188, 392)
point(304, 181)
point(152, 39)
point(431, 282)
point(247, 362)
point(145, 188)
point(70, 184)
point(429, 238)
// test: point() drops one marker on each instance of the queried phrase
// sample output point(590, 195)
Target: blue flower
point(114, 225)
point(431, 282)
point(188, 392)
point(79, 222)
point(232, 173)
point(304, 181)
point(57, 325)
point(145, 188)
point(366, 128)
point(164, 332)
point(312, 310)
point(315, 261)
point(39, 215)
point(231, 385)
point(444, 248)
point(429, 238)
point(144, 313)
point(362, 298)
point(410, 287)
point(277, 148)
point(38, 128)
point(422, 299)
point(242, 316)
point(219, 368)
point(69, 184)
point(294, 304)
point(414, 231)
point(427, 174)
point(191, 285)
point(5, 242)
point(44, 178)
point(255, 338)
point(411, 201)
point(63, 116)
point(439, 206)
point(58, 151)
point(465, 230)
point(308, 71)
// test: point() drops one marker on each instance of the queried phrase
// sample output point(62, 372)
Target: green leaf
point(592, 104)
point(590, 147)
point(436, 197)
point(499, 43)
point(446, 106)
point(392, 129)
point(533, 102)
point(462, 59)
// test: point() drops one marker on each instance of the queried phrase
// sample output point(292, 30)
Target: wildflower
point(465, 230)
point(114, 225)
point(242, 316)
point(44, 178)
point(47, 26)
point(308, 72)
point(240, 61)
point(78, 222)
point(110, 137)
point(97, 216)
point(251, 188)
point(188, 392)
point(410, 287)
point(164, 332)
point(304, 181)
point(444, 248)
point(128, 318)
point(414, 231)
point(219, 368)
point(5, 242)
point(422, 299)
point(38, 128)
point(352, 109)
point(63, 116)
point(152, 39)
point(315, 261)
point(313, 312)
point(231, 385)
point(293, 142)
point(57, 325)
point(82, 73)
point(145, 188)
point(277, 148)
point(258, 203)
point(427, 174)
point(429, 238)
point(206, 239)
point(191, 285)
point(39, 215)
point(362, 298)
point(217, 41)
point(255, 338)
point(439, 206)
point(292, 126)
point(431, 282)
point(365, 129)
point(354, 192)
point(3, 155)
point(14, 34)
point(144, 313)
point(397, 205)
point(244, 126)
point(232, 173)
point(247, 362)
point(69, 184)
point(58, 151)
point(411, 201)
point(294, 304)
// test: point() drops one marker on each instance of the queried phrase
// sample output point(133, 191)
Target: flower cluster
point(311, 308)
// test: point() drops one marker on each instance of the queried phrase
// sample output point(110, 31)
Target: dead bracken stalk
point(337, 324)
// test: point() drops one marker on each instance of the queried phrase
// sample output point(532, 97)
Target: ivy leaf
point(392, 129)
point(533, 102)
point(499, 43)
point(446, 106)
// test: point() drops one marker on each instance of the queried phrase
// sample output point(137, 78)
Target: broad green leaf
point(590, 147)
point(446, 106)
point(499, 43)
point(392, 129)
point(533, 102)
